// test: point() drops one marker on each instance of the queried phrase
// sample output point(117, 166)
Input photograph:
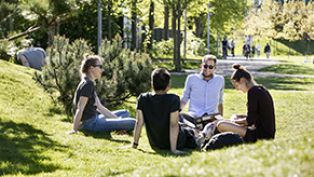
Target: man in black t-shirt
point(160, 113)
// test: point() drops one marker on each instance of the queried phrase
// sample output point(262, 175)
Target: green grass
point(290, 69)
point(33, 140)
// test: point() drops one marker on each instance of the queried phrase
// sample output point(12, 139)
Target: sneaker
point(200, 141)
point(209, 130)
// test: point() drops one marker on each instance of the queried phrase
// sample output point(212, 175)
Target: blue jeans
point(100, 123)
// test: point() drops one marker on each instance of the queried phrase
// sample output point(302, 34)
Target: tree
point(134, 24)
point(151, 24)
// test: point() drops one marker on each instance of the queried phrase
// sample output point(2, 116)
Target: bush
point(163, 48)
point(126, 73)
point(7, 50)
point(195, 45)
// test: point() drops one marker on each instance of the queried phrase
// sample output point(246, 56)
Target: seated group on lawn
point(166, 127)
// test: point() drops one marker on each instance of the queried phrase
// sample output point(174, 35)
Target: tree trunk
point(133, 26)
point(166, 22)
point(173, 26)
point(109, 19)
point(179, 11)
point(151, 25)
point(198, 27)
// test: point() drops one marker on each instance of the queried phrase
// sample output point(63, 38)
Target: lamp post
point(208, 29)
point(99, 29)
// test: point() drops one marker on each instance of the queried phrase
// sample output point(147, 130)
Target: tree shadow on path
point(22, 147)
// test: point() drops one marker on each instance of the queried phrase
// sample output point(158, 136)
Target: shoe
point(200, 141)
point(209, 130)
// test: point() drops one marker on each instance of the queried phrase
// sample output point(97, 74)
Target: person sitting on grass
point(88, 105)
point(259, 123)
point(160, 113)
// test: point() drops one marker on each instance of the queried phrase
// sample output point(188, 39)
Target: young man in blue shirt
point(204, 91)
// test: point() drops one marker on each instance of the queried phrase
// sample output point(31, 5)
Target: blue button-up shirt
point(204, 96)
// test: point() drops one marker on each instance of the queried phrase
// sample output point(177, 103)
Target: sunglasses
point(208, 66)
point(100, 66)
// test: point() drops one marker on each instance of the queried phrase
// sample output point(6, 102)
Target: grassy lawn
point(290, 69)
point(33, 139)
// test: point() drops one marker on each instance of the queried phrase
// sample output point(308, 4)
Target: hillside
point(34, 142)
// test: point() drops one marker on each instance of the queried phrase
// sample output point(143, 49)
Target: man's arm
point(221, 98)
point(138, 128)
point(221, 109)
point(186, 93)
point(182, 104)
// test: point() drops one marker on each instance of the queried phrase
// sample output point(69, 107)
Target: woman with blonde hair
point(88, 106)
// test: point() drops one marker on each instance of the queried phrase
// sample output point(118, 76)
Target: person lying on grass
point(259, 123)
point(160, 113)
point(88, 105)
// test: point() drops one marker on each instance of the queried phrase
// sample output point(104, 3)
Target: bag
point(222, 140)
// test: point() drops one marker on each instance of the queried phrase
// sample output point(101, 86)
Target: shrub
point(164, 48)
point(126, 73)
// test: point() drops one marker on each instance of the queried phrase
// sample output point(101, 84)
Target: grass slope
point(33, 140)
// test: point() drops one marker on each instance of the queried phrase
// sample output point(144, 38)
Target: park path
point(224, 68)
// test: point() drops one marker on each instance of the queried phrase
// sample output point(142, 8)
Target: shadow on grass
point(289, 69)
point(166, 153)
point(22, 148)
point(299, 46)
point(299, 84)
point(105, 135)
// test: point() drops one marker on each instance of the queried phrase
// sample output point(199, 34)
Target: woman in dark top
point(259, 123)
point(88, 105)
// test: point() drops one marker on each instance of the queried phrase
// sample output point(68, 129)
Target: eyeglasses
point(100, 66)
point(208, 66)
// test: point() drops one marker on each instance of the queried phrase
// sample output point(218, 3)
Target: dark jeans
point(186, 138)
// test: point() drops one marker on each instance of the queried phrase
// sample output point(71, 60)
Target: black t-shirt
point(86, 88)
point(156, 111)
point(261, 112)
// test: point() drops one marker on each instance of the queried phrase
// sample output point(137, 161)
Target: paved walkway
point(224, 67)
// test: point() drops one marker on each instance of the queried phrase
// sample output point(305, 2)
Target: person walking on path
point(267, 50)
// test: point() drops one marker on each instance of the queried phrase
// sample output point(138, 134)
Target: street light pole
point(99, 33)
point(208, 29)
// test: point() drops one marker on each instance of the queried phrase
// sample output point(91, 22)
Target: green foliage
point(61, 74)
point(126, 73)
point(163, 48)
point(292, 21)
point(195, 45)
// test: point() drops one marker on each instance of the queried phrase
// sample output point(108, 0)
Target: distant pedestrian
point(267, 50)
point(225, 48)
point(232, 46)
point(258, 50)
point(253, 51)
point(246, 51)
